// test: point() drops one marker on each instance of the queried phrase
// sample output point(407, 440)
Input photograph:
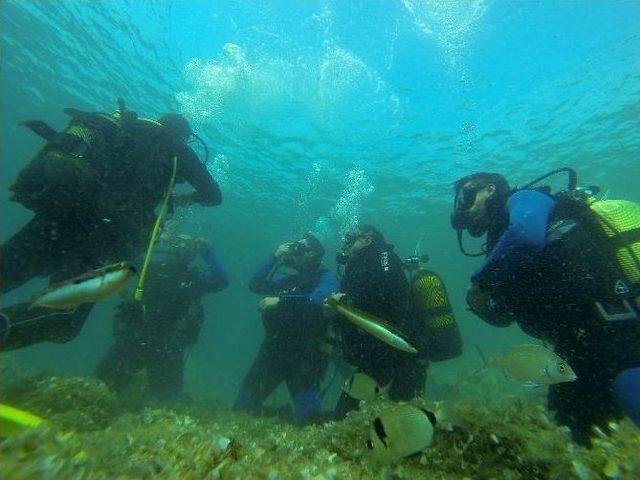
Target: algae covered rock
point(75, 403)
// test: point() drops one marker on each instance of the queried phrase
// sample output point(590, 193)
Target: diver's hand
point(201, 245)
point(184, 199)
point(282, 251)
point(478, 300)
point(268, 302)
point(326, 309)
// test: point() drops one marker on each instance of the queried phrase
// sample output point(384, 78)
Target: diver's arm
point(216, 277)
point(207, 192)
point(529, 213)
point(262, 283)
point(327, 285)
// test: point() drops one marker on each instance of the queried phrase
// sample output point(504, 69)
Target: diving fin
point(43, 130)
point(70, 143)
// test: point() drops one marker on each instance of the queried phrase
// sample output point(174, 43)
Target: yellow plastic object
point(617, 217)
point(14, 420)
point(139, 293)
point(430, 295)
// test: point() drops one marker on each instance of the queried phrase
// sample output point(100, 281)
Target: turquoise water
point(320, 114)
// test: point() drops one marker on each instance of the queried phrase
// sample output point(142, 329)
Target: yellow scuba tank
point(620, 220)
point(431, 298)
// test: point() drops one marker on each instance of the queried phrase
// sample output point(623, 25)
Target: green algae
point(89, 435)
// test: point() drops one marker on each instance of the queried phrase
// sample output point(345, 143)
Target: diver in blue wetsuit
point(553, 266)
point(294, 328)
point(158, 339)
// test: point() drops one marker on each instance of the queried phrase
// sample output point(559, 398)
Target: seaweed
point(516, 440)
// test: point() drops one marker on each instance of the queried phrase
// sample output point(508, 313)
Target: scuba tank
point(430, 296)
point(433, 313)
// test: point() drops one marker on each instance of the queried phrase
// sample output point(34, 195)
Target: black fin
point(430, 416)
point(63, 140)
point(379, 429)
point(43, 130)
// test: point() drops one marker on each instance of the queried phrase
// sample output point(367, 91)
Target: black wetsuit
point(93, 206)
point(374, 281)
point(158, 339)
point(549, 286)
point(291, 351)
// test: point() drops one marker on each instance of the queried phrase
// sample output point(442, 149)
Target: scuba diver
point(93, 189)
point(374, 282)
point(294, 328)
point(565, 267)
point(157, 336)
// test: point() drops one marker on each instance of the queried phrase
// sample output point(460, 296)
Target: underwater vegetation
point(89, 435)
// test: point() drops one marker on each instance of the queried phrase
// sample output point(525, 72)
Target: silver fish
point(533, 365)
point(89, 287)
point(373, 325)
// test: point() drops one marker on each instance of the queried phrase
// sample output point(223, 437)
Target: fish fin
point(430, 415)
point(385, 390)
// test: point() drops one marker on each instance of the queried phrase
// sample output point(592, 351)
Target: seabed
point(90, 434)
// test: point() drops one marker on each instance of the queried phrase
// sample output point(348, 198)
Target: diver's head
point(359, 239)
point(478, 197)
point(177, 125)
point(179, 250)
point(304, 254)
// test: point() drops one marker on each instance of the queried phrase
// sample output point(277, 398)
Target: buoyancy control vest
point(614, 229)
point(73, 171)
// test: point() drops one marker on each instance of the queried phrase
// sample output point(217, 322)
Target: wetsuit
point(294, 330)
point(548, 283)
point(93, 207)
point(159, 339)
point(374, 281)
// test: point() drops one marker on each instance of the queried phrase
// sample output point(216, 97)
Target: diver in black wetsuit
point(294, 329)
point(158, 338)
point(551, 268)
point(93, 189)
point(374, 281)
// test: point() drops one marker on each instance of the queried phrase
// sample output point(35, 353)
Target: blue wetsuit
point(529, 213)
point(294, 329)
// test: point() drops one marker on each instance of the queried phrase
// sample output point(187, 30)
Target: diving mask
point(464, 199)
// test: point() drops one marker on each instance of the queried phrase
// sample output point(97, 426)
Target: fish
point(373, 325)
point(13, 420)
point(89, 287)
point(532, 365)
point(361, 386)
point(401, 431)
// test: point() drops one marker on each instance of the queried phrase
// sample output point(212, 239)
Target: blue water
point(320, 114)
